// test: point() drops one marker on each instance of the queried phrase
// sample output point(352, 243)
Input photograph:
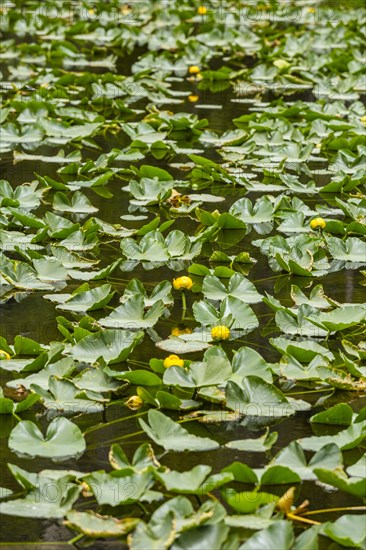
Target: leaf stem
point(302, 520)
point(75, 539)
point(111, 422)
point(307, 391)
point(184, 305)
point(329, 510)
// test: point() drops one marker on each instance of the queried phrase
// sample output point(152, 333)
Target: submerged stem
point(111, 422)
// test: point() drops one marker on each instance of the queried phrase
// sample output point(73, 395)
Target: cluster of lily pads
point(191, 266)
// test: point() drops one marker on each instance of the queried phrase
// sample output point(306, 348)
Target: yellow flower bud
point(134, 403)
point(363, 119)
point(182, 282)
point(281, 64)
point(220, 332)
point(193, 69)
point(201, 10)
point(193, 98)
point(91, 11)
point(173, 361)
point(4, 355)
point(176, 331)
point(286, 501)
point(317, 223)
point(311, 10)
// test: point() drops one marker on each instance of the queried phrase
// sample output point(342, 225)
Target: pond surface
point(29, 314)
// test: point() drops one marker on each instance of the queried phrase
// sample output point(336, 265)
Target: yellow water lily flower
point(193, 98)
point(201, 10)
point(173, 361)
point(176, 331)
point(311, 10)
point(317, 223)
point(182, 282)
point(193, 69)
point(134, 402)
point(220, 332)
point(91, 11)
point(363, 119)
point(4, 355)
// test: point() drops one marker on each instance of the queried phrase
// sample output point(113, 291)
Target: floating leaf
point(173, 437)
point(259, 445)
point(131, 314)
point(338, 479)
point(238, 287)
point(114, 346)
point(348, 530)
point(118, 487)
point(257, 398)
point(341, 414)
point(278, 535)
point(345, 439)
point(95, 526)
point(248, 502)
point(88, 300)
point(63, 439)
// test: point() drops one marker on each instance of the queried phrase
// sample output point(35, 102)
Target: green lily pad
point(118, 487)
point(63, 439)
point(114, 346)
point(255, 397)
point(348, 530)
point(131, 314)
point(95, 526)
point(238, 287)
point(259, 445)
point(172, 436)
point(345, 439)
point(248, 502)
point(278, 535)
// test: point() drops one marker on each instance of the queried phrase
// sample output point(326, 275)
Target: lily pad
point(172, 436)
point(95, 526)
point(114, 346)
point(63, 439)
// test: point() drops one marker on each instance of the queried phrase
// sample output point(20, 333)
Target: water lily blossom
point(201, 10)
point(193, 98)
point(194, 69)
point(173, 361)
point(182, 283)
point(134, 402)
point(317, 223)
point(4, 355)
point(220, 332)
